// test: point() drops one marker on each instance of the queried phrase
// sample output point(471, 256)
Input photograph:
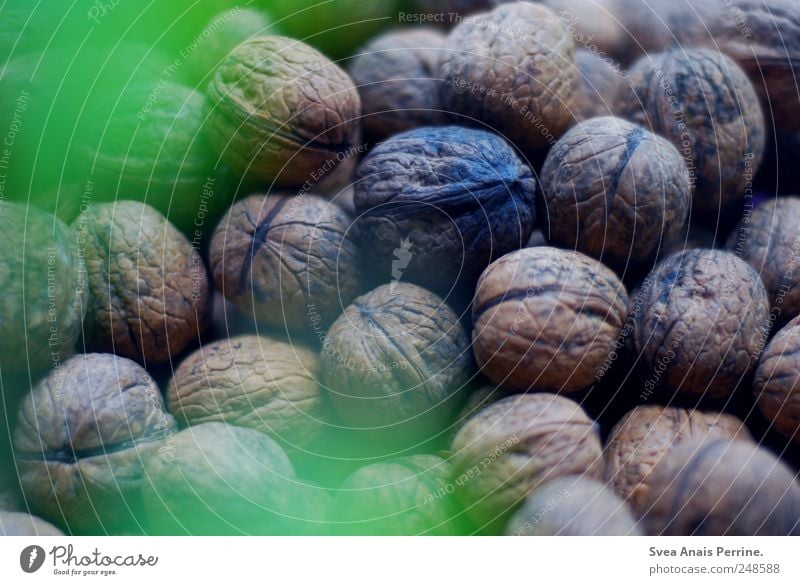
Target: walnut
point(250, 381)
point(42, 290)
point(643, 436)
point(435, 205)
point(281, 112)
point(400, 497)
point(80, 439)
point(615, 191)
point(149, 295)
point(574, 505)
point(719, 487)
point(22, 524)
point(287, 261)
point(704, 104)
point(768, 238)
point(547, 319)
point(396, 363)
point(513, 70)
point(599, 82)
point(776, 385)
point(700, 322)
point(515, 445)
point(395, 74)
point(218, 479)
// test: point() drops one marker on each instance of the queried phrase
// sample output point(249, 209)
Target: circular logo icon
point(31, 558)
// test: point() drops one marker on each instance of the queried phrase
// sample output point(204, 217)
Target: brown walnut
point(513, 70)
point(149, 293)
point(281, 111)
point(250, 381)
point(546, 319)
point(515, 445)
point(645, 434)
point(81, 436)
point(700, 322)
point(719, 487)
point(615, 191)
point(287, 261)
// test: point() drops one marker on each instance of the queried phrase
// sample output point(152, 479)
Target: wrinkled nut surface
point(704, 104)
point(615, 191)
point(81, 436)
point(22, 524)
point(700, 322)
point(777, 381)
point(396, 78)
point(513, 70)
point(149, 292)
point(403, 496)
point(574, 505)
point(599, 82)
point(218, 479)
point(397, 362)
point(42, 289)
point(769, 240)
point(513, 446)
point(288, 261)
point(280, 111)
point(436, 205)
point(639, 441)
point(250, 381)
point(722, 487)
point(546, 319)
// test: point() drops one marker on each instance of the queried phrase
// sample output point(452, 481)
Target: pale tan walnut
point(615, 191)
point(777, 382)
point(722, 487)
point(250, 381)
point(287, 261)
point(149, 291)
point(81, 437)
point(515, 445)
point(574, 505)
point(645, 434)
point(700, 322)
point(22, 524)
point(282, 111)
point(513, 70)
point(546, 319)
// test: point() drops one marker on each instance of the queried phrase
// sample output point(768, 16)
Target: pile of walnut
point(487, 280)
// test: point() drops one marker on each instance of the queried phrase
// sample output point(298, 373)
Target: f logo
point(31, 558)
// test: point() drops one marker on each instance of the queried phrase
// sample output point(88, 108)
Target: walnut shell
point(511, 69)
point(615, 191)
point(407, 496)
point(515, 445)
point(436, 205)
point(777, 381)
point(722, 487)
point(700, 322)
point(218, 479)
point(574, 505)
point(22, 524)
point(287, 261)
point(396, 362)
point(42, 290)
point(599, 82)
point(547, 319)
point(395, 74)
point(282, 112)
point(250, 381)
point(149, 293)
point(704, 104)
point(81, 436)
point(768, 238)
point(643, 436)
